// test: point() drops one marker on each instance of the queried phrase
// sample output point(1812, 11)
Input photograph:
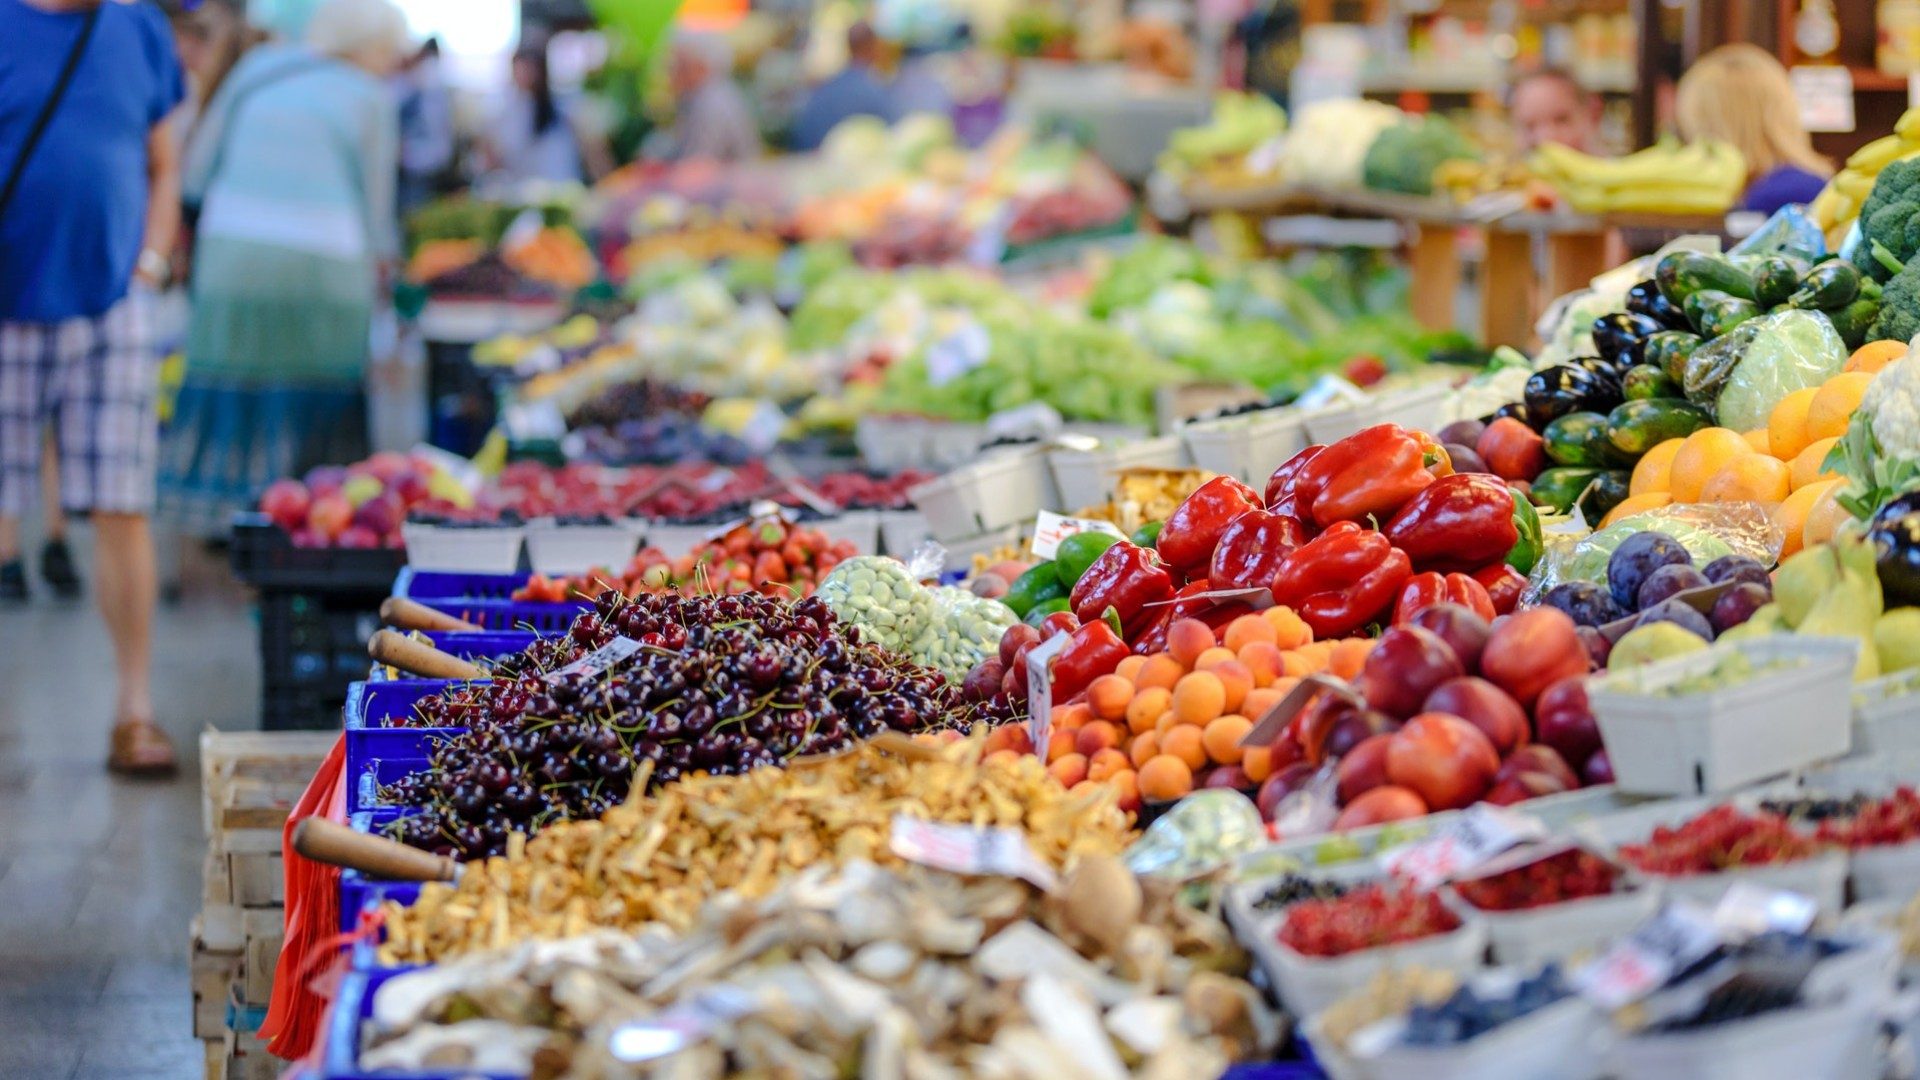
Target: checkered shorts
point(94, 382)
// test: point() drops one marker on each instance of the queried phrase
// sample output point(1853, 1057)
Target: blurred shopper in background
point(294, 175)
point(537, 136)
point(211, 35)
point(89, 201)
point(855, 91)
point(427, 142)
point(918, 87)
point(1548, 105)
point(712, 119)
point(1740, 94)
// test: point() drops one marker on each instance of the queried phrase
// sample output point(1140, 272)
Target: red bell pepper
point(1191, 602)
point(1193, 529)
point(1342, 580)
point(1094, 650)
point(1371, 473)
point(1252, 548)
point(1460, 522)
point(1125, 578)
point(1504, 584)
point(1426, 590)
point(1280, 486)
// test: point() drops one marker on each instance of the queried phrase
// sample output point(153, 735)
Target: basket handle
point(408, 614)
point(395, 649)
point(326, 841)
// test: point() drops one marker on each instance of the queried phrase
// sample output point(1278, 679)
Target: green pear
point(1655, 641)
point(1896, 638)
point(1803, 579)
point(1849, 609)
point(1765, 620)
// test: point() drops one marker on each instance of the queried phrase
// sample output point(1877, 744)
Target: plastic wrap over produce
point(1202, 833)
point(1707, 531)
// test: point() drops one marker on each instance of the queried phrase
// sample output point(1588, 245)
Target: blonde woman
point(1740, 94)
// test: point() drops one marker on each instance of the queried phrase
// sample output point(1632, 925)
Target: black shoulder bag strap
point(45, 118)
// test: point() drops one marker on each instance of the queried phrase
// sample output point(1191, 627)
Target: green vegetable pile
point(1403, 157)
point(965, 630)
point(881, 597)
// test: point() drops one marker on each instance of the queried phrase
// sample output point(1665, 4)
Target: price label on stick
point(967, 849)
point(1643, 961)
point(1051, 528)
point(1040, 690)
point(601, 660)
point(1470, 840)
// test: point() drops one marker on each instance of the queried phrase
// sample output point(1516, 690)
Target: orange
point(1160, 670)
point(1187, 639)
point(1875, 355)
point(1165, 777)
point(1348, 656)
point(1264, 660)
point(1248, 629)
point(1293, 631)
point(1198, 698)
point(1806, 465)
point(1636, 504)
point(1791, 516)
point(1221, 738)
point(1187, 743)
point(1787, 426)
point(1108, 697)
point(1835, 404)
point(1757, 438)
point(1753, 478)
point(1104, 764)
point(1144, 746)
point(1825, 516)
point(1130, 667)
point(1236, 680)
point(1654, 469)
point(1146, 707)
point(1704, 454)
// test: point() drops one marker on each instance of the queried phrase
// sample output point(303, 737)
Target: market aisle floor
point(99, 877)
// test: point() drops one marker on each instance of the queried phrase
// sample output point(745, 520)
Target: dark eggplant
point(1513, 410)
point(1895, 531)
point(1606, 372)
point(1621, 336)
point(1556, 391)
point(1646, 299)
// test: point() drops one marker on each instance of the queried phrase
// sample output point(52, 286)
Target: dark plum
point(1666, 581)
point(1737, 568)
point(1584, 602)
point(1679, 613)
point(1637, 557)
point(1737, 605)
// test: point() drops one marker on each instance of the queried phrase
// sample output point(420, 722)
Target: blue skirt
point(230, 438)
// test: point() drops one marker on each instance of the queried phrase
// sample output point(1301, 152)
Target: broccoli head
point(1891, 216)
point(1899, 318)
point(1403, 157)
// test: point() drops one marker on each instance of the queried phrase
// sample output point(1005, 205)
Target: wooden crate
point(247, 1058)
point(211, 976)
point(262, 959)
point(257, 880)
point(216, 1057)
point(285, 760)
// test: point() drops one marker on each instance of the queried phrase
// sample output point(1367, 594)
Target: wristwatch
point(153, 266)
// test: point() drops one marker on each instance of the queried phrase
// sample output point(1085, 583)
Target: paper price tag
point(1643, 961)
point(1480, 832)
point(1748, 910)
point(1040, 690)
point(1051, 528)
point(964, 349)
point(966, 849)
point(1826, 97)
point(601, 660)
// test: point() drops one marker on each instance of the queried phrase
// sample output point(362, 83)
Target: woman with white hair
point(293, 173)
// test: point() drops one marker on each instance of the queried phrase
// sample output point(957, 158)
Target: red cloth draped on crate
point(294, 1014)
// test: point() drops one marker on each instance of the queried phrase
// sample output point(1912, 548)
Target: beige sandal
point(140, 748)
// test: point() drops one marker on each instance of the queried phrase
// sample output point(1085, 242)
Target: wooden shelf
point(1875, 81)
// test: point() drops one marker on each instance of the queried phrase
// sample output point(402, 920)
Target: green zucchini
point(1714, 313)
point(1830, 286)
point(1854, 321)
point(1605, 491)
point(1636, 427)
point(1647, 382)
point(1579, 438)
point(1668, 350)
point(1558, 488)
point(1683, 273)
point(1775, 277)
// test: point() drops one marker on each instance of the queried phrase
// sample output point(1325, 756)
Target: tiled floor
point(100, 877)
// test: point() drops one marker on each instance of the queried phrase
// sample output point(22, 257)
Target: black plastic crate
point(312, 645)
point(265, 558)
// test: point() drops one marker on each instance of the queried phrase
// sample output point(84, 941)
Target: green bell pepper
point(1526, 521)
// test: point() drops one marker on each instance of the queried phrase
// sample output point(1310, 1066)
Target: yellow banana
point(1853, 184)
point(1878, 154)
point(1908, 126)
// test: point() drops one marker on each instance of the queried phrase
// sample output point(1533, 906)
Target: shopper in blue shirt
point(855, 91)
point(90, 206)
point(1739, 94)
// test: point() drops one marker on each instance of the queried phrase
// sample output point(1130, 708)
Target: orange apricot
point(1263, 659)
point(1059, 743)
point(1247, 629)
point(1199, 697)
point(1214, 657)
point(1072, 716)
point(1165, 777)
point(1187, 639)
point(1221, 738)
point(1129, 667)
point(1144, 745)
point(1186, 743)
point(1257, 762)
point(1069, 770)
point(1126, 783)
point(1108, 697)
point(1160, 670)
point(1146, 707)
point(1236, 680)
point(1096, 736)
point(1290, 630)
point(1105, 763)
point(1348, 655)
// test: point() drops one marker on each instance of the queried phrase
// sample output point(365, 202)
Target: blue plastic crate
point(370, 741)
point(486, 600)
point(352, 1006)
point(376, 774)
point(467, 645)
